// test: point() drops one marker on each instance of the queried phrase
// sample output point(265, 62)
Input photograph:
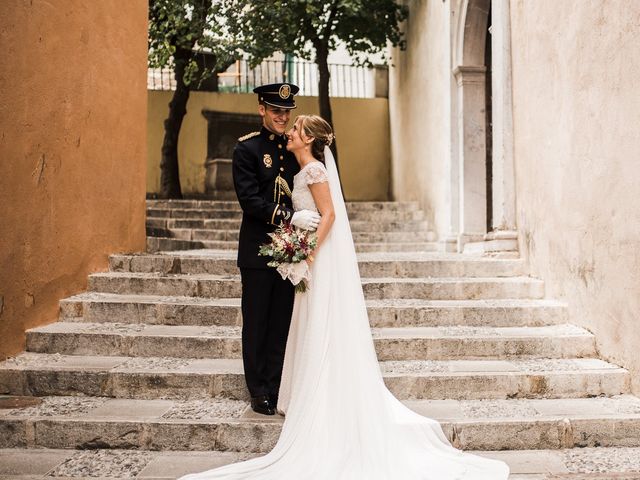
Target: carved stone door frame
point(468, 146)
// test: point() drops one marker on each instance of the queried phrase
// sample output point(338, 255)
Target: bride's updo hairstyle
point(317, 128)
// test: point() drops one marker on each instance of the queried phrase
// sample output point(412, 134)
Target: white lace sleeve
point(315, 173)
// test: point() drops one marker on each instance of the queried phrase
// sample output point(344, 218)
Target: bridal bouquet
point(290, 247)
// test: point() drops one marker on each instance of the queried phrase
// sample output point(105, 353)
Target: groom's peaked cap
point(277, 94)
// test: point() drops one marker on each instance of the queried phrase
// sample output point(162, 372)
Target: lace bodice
point(313, 172)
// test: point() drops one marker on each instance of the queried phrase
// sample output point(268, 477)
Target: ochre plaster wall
point(419, 111)
point(576, 117)
point(72, 140)
point(362, 133)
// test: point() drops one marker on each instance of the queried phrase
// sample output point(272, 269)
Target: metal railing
point(345, 80)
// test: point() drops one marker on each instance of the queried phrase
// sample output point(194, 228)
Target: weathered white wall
point(419, 110)
point(576, 66)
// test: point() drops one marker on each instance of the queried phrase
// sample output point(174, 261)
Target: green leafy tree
point(179, 32)
point(311, 29)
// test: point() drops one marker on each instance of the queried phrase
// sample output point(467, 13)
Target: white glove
point(306, 219)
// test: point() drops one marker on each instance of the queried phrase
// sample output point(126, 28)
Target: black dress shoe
point(260, 404)
point(273, 400)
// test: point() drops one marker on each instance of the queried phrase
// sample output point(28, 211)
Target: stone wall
point(419, 111)
point(72, 171)
point(576, 116)
point(576, 112)
point(362, 135)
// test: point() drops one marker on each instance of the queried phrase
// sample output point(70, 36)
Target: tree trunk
point(169, 170)
point(322, 53)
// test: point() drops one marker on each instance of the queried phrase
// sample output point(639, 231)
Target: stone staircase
point(143, 372)
point(189, 224)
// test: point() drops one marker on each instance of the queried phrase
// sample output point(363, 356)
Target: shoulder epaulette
point(248, 136)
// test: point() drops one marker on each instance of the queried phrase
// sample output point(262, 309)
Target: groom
point(263, 173)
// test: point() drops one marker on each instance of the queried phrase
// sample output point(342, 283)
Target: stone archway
point(469, 146)
point(470, 74)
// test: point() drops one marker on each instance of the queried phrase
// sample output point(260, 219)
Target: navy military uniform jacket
point(263, 173)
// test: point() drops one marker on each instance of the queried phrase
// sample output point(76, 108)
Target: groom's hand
point(306, 219)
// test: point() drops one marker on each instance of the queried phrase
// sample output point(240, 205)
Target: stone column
point(502, 240)
point(449, 241)
point(504, 201)
point(472, 153)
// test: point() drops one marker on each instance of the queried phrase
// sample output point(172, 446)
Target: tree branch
point(332, 15)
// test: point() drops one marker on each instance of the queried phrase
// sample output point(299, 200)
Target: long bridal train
point(341, 421)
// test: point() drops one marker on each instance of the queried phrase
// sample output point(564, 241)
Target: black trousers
point(267, 305)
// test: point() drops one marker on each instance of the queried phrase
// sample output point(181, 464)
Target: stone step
point(603, 463)
point(56, 464)
point(355, 215)
point(194, 203)
point(390, 247)
point(165, 377)
point(371, 264)
point(413, 343)
point(230, 425)
point(234, 225)
point(231, 235)
point(163, 244)
point(185, 213)
point(234, 205)
point(162, 310)
point(159, 244)
point(229, 286)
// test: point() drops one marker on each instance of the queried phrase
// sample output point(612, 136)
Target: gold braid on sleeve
point(283, 185)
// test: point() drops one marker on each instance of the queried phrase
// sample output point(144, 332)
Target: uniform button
point(282, 169)
point(272, 136)
point(279, 146)
point(281, 157)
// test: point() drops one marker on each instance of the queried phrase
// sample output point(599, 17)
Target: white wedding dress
point(342, 423)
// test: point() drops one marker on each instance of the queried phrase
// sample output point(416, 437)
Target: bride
point(341, 422)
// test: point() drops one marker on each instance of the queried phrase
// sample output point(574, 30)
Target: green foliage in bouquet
point(289, 245)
